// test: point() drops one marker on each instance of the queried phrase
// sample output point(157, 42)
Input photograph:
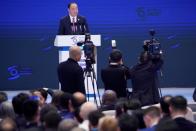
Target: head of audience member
point(8, 124)
point(144, 57)
point(73, 9)
point(119, 106)
point(93, 118)
point(164, 104)
point(79, 98)
point(128, 123)
point(18, 101)
point(152, 116)
point(131, 105)
point(52, 120)
point(178, 106)
point(87, 108)
point(7, 110)
point(116, 57)
point(65, 102)
point(67, 125)
point(31, 110)
point(56, 98)
point(108, 123)
point(167, 125)
point(109, 97)
point(44, 93)
point(3, 97)
point(36, 94)
point(75, 53)
point(45, 109)
point(139, 114)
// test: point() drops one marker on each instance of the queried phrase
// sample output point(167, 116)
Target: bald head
point(75, 53)
point(79, 97)
point(87, 108)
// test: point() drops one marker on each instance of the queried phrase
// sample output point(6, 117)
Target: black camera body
point(152, 46)
point(89, 50)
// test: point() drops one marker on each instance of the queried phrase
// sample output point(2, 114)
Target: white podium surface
point(66, 41)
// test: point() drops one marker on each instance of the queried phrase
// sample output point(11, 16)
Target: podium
point(64, 42)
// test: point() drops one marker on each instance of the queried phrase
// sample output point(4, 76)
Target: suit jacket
point(145, 82)
point(115, 78)
point(71, 77)
point(185, 125)
point(65, 26)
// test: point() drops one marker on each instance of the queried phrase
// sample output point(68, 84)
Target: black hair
point(47, 108)
point(69, 5)
point(52, 119)
point(115, 55)
point(145, 57)
point(65, 99)
point(132, 104)
point(43, 92)
point(128, 123)
point(3, 97)
point(178, 103)
point(94, 117)
point(164, 103)
point(30, 108)
point(18, 102)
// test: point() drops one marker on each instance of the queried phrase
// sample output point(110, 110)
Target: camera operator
point(116, 74)
point(145, 78)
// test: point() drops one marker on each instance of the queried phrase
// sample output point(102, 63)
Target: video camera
point(152, 46)
point(89, 50)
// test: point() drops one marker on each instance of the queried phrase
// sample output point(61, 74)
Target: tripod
point(89, 72)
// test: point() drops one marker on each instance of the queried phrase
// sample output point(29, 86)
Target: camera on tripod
point(89, 50)
point(152, 46)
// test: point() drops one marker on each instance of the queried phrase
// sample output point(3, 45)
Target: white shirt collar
point(71, 18)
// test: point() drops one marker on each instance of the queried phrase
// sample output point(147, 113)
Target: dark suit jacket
point(71, 77)
point(65, 26)
point(115, 78)
point(145, 82)
point(185, 125)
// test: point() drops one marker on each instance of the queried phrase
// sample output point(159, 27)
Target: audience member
point(85, 110)
point(178, 110)
point(109, 99)
point(108, 123)
point(93, 118)
point(67, 125)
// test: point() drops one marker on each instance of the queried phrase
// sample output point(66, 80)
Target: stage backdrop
point(28, 28)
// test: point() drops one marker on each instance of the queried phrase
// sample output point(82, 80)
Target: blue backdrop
point(28, 28)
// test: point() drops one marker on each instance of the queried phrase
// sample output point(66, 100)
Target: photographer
point(116, 74)
point(145, 78)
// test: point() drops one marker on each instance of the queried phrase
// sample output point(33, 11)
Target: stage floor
point(186, 92)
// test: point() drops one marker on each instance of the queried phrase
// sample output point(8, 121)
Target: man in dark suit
point(145, 79)
point(151, 118)
point(70, 73)
point(73, 24)
point(178, 109)
point(116, 74)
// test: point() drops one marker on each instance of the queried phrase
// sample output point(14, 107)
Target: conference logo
point(16, 72)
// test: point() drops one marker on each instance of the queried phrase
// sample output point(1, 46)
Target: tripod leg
point(95, 98)
point(94, 78)
point(87, 86)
